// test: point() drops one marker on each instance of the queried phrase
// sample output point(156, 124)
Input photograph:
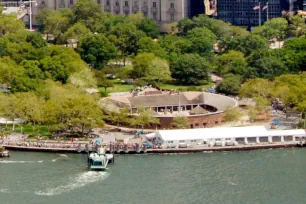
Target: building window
point(117, 3)
point(154, 4)
point(98, 1)
point(71, 2)
point(107, 3)
point(126, 3)
point(172, 5)
point(171, 17)
point(126, 13)
point(145, 14)
point(154, 16)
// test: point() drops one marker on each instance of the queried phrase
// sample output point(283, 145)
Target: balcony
point(171, 10)
point(154, 9)
point(117, 9)
point(126, 9)
point(145, 9)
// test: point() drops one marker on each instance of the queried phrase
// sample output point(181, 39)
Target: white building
point(163, 11)
point(225, 136)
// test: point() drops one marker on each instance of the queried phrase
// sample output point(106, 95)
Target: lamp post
point(30, 12)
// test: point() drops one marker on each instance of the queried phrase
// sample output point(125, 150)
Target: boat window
point(182, 140)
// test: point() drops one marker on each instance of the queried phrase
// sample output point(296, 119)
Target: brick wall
point(194, 121)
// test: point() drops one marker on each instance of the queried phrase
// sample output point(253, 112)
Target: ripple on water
point(78, 181)
point(18, 162)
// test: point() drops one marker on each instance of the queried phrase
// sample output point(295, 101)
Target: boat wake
point(63, 155)
point(79, 181)
point(18, 162)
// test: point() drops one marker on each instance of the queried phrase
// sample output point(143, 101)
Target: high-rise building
point(251, 13)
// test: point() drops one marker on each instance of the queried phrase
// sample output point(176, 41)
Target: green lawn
point(28, 129)
point(183, 87)
point(121, 87)
point(118, 87)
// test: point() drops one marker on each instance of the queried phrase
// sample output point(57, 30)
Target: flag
point(256, 7)
point(265, 7)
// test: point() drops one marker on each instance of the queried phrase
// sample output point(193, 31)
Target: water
point(264, 176)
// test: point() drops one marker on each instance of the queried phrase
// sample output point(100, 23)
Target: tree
point(54, 23)
point(247, 44)
point(148, 45)
point(83, 79)
point(297, 26)
point(202, 41)
point(125, 37)
point(256, 88)
point(158, 70)
point(143, 118)
point(75, 32)
point(10, 24)
point(122, 116)
point(180, 122)
point(53, 69)
point(231, 62)
point(88, 13)
point(141, 64)
point(269, 67)
point(274, 28)
point(9, 71)
point(149, 26)
point(191, 69)
point(106, 83)
point(96, 50)
point(230, 85)
point(232, 115)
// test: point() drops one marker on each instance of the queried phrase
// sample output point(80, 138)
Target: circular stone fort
point(202, 109)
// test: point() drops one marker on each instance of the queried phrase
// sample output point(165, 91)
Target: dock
point(143, 150)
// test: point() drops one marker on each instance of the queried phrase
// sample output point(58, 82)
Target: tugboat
point(3, 152)
point(99, 160)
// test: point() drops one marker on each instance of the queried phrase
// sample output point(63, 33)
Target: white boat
point(3, 152)
point(99, 160)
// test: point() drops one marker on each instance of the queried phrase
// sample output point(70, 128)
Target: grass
point(183, 87)
point(122, 87)
point(118, 87)
point(28, 129)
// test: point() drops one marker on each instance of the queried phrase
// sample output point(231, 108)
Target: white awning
point(219, 133)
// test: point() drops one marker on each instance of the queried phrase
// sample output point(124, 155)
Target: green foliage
point(231, 62)
point(148, 45)
point(275, 28)
point(143, 118)
point(191, 69)
point(246, 44)
point(141, 64)
point(180, 122)
point(230, 85)
point(10, 24)
point(158, 71)
point(96, 50)
point(232, 115)
point(149, 26)
point(256, 88)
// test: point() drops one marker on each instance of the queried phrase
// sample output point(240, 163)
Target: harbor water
point(261, 176)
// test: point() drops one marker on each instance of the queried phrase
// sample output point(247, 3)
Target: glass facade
point(242, 13)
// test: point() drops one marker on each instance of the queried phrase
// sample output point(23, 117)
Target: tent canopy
point(228, 132)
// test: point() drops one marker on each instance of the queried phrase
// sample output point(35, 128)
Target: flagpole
point(267, 11)
point(259, 15)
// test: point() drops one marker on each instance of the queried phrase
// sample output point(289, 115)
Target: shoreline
point(160, 151)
